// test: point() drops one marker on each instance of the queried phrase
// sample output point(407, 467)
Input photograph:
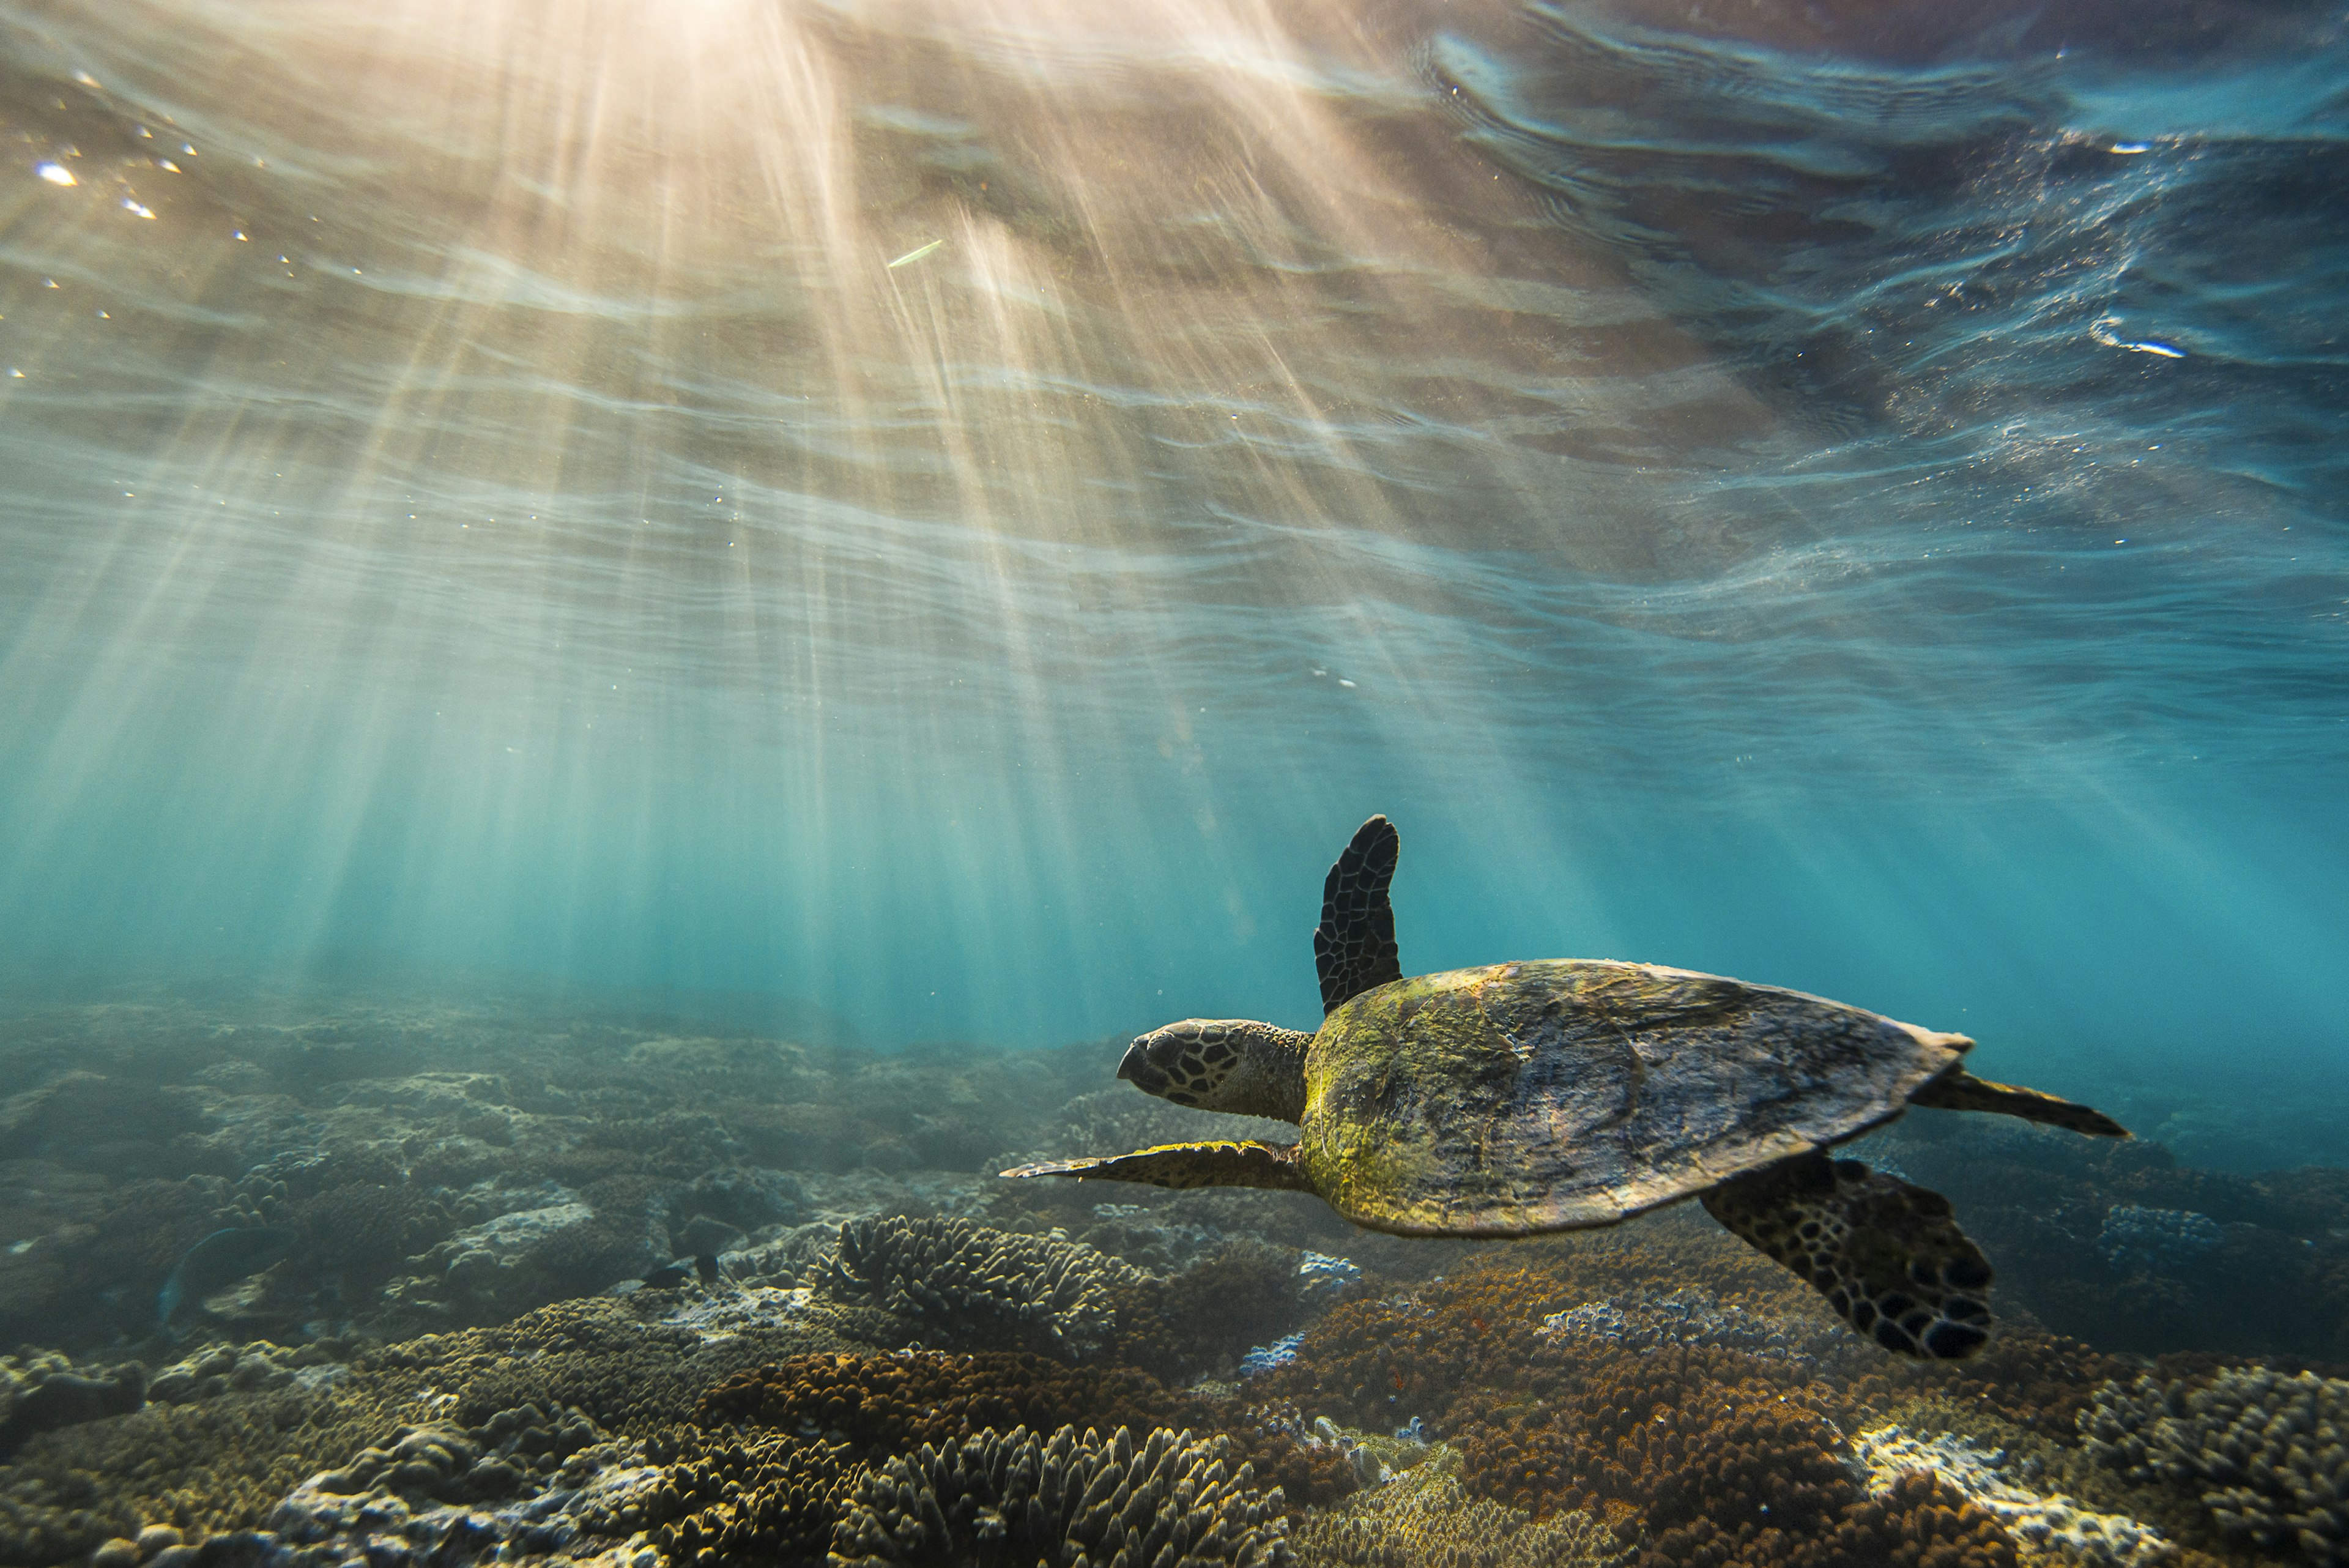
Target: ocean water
point(895, 541)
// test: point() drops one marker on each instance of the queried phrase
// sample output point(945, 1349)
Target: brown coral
point(1423, 1519)
point(2268, 1454)
point(1205, 1318)
point(1919, 1523)
point(891, 1404)
point(974, 1283)
point(1169, 1500)
point(757, 1497)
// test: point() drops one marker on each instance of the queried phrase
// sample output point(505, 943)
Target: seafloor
point(466, 1312)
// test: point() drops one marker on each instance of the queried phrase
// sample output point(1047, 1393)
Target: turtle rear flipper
point(1959, 1090)
point(1225, 1162)
point(1885, 1254)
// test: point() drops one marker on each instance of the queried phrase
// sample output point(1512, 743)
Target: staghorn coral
point(970, 1281)
point(1171, 1500)
point(2268, 1453)
point(1423, 1519)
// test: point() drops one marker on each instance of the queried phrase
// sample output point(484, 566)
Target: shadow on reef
point(366, 1283)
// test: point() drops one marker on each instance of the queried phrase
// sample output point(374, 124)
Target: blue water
point(1850, 501)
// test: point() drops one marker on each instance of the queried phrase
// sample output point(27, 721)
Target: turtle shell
point(1568, 1093)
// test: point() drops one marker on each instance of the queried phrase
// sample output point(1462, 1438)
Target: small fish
point(218, 1261)
point(915, 254)
point(668, 1279)
point(706, 1265)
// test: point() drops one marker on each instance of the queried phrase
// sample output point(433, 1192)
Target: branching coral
point(1171, 1500)
point(730, 1497)
point(965, 1281)
point(2268, 1453)
point(883, 1405)
point(1424, 1519)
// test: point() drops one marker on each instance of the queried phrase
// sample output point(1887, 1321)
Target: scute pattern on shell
point(1171, 1501)
point(1571, 1093)
point(972, 1282)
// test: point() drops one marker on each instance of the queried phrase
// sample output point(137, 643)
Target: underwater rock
point(529, 1481)
point(1170, 1499)
point(2045, 1523)
point(528, 1257)
point(2267, 1453)
point(253, 1368)
point(1424, 1519)
point(91, 1121)
point(968, 1281)
point(43, 1393)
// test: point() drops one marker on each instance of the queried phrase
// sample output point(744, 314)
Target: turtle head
point(1232, 1064)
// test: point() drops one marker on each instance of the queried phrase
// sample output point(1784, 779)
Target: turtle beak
point(1135, 1068)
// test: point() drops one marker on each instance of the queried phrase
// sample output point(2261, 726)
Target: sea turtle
point(1569, 1093)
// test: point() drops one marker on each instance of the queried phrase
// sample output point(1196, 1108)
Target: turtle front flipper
point(1223, 1162)
point(1354, 945)
point(1886, 1254)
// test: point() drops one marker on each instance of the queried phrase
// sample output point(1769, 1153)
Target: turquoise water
point(1851, 501)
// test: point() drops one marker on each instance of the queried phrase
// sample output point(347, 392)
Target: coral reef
point(234, 1430)
point(1209, 1317)
point(2115, 1243)
point(461, 1340)
point(2268, 1453)
point(970, 1283)
point(728, 1497)
point(1423, 1519)
point(2135, 1240)
point(41, 1392)
point(2043, 1522)
point(1645, 1319)
point(1170, 1500)
point(885, 1404)
point(528, 1481)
